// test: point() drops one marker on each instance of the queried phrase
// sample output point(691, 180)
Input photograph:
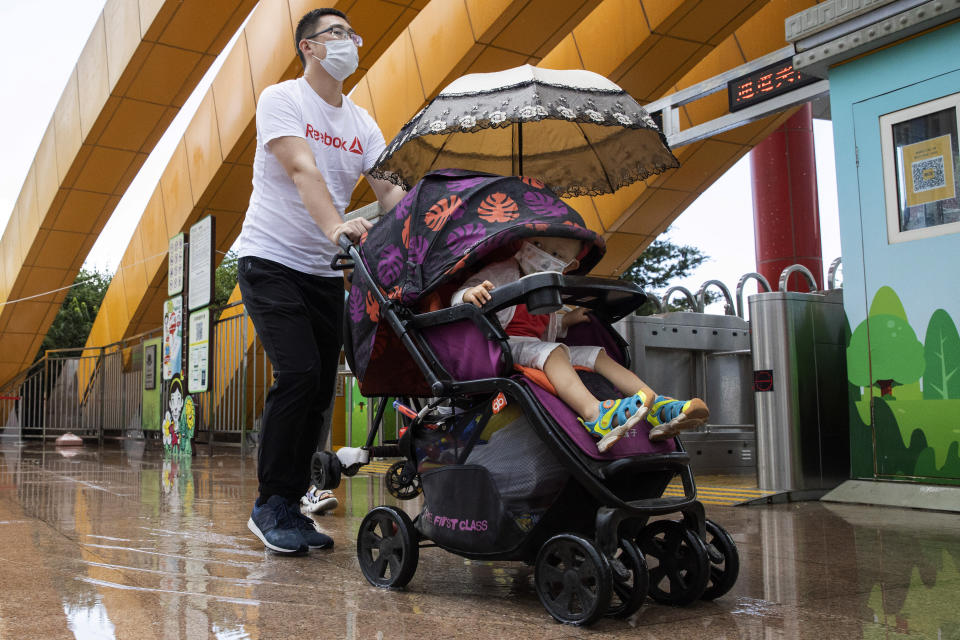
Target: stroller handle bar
point(547, 292)
point(343, 260)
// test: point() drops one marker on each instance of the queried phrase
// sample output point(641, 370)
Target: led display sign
point(763, 84)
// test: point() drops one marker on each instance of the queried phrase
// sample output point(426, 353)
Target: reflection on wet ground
point(116, 543)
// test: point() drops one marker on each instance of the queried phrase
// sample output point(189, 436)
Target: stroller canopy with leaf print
point(450, 224)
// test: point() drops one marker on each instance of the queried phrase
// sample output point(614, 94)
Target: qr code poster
point(928, 169)
point(198, 351)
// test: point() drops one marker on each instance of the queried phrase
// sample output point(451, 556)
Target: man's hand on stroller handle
point(479, 295)
point(353, 229)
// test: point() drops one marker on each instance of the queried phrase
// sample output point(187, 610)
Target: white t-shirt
point(345, 141)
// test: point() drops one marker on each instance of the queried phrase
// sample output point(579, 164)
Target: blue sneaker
point(274, 523)
point(614, 419)
point(308, 529)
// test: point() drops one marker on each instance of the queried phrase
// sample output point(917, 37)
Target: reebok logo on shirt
point(334, 141)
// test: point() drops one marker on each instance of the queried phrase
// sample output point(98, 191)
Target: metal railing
point(97, 392)
point(733, 303)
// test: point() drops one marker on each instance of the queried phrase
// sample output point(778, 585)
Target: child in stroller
point(533, 344)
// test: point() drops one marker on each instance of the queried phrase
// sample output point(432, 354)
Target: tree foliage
point(79, 309)
point(224, 282)
point(660, 264)
point(72, 325)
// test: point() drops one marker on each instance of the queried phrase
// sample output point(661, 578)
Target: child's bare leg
point(622, 378)
point(619, 418)
point(565, 380)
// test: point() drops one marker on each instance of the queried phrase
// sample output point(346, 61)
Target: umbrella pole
point(520, 148)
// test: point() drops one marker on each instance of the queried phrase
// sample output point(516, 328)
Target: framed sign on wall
point(200, 273)
point(175, 260)
point(920, 169)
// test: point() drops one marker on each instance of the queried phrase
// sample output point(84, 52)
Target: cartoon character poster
point(179, 420)
point(172, 337)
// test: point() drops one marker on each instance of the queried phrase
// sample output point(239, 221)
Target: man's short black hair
point(308, 23)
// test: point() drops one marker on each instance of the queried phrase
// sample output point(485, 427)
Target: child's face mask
point(532, 259)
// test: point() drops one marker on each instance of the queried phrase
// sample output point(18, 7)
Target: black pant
point(299, 320)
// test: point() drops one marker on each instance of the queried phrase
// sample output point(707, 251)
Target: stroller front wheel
point(573, 579)
point(388, 548)
point(629, 589)
point(680, 568)
point(399, 486)
point(723, 575)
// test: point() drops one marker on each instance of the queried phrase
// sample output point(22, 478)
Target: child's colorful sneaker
point(668, 417)
point(615, 418)
point(642, 397)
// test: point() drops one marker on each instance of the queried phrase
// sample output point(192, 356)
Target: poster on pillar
point(172, 338)
point(175, 264)
point(198, 351)
point(200, 269)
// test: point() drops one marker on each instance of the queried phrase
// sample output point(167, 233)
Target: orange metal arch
point(211, 170)
point(139, 65)
point(650, 47)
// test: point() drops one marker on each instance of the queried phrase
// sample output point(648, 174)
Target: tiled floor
point(118, 543)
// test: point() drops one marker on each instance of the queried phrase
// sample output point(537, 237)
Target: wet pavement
point(117, 543)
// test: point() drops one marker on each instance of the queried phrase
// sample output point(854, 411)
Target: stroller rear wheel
point(387, 548)
point(723, 575)
point(573, 579)
point(399, 486)
point(629, 588)
point(680, 568)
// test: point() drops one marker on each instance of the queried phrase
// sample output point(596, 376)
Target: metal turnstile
point(799, 362)
point(684, 355)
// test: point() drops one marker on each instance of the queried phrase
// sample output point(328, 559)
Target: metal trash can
point(800, 387)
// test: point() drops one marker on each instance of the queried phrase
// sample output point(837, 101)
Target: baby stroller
point(506, 470)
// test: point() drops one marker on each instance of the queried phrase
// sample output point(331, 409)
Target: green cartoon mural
point(900, 245)
point(911, 428)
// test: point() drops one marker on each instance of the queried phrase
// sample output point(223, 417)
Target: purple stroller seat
point(468, 355)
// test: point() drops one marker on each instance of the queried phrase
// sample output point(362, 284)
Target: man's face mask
point(532, 259)
point(342, 58)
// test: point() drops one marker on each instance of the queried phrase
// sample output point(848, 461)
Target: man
point(313, 144)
